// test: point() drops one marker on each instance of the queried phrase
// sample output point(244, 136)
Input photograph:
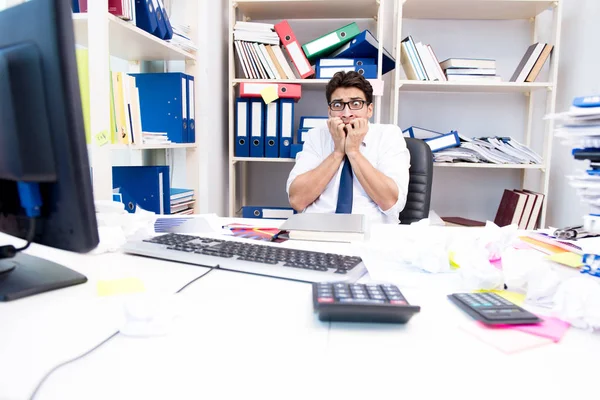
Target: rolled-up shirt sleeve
point(309, 158)
point(395, 163)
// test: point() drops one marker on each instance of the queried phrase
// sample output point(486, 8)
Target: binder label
point(323, 43)
point(301, 64)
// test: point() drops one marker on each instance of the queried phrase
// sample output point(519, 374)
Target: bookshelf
point(105, 35)
point(535, 129)
point(273, 11)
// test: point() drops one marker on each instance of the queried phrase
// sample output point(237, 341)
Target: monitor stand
point(25, 275)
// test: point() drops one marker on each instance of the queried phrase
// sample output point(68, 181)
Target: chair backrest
point(420, 180)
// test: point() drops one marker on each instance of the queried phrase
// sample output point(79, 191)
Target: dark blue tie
point(344, 203)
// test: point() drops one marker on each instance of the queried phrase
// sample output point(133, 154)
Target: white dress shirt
point(385, 148)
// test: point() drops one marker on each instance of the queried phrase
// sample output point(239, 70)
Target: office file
point(364, 45)
point(420, 133)
point(168, 27)
point(344, 62)
point(284, 90)
point(267, 212)
point(161, 27)
point(328, 43)
point(443, 141)
point(257, 128)
point(145, 15)
point(368, 71)
point(272, 129)
point(313, 122)
point(75, 6)
point(242, 127)
point(300, 134)
point(291, 44)
point(296, 148)
point(191, 102)
point(146, 186)
point(286, 127)
point(163, 104)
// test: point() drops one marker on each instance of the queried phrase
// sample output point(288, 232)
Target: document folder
point(145, 16)
point(292, 46)
point(345, 62)
point(368, 71)
point(147, 186)
point(284, 90)
point(286, 127)
point(257, 128)
point(365, 46)
point(267, 212)
point(162, 104)
point(242, 127)
point(191, 109)
point(330, 42)
point(272, 129)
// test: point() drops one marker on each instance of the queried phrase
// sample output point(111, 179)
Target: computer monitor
point(45, 181)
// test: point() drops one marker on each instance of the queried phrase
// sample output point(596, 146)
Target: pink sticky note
point(551, 328)
point(508, 341)
point(520, 245)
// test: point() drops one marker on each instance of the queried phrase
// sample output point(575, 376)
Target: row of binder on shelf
point(153, 108)
point(579, 128)
point(148, 15)
point(148, 187)
point(454, 147)
point(346, 48)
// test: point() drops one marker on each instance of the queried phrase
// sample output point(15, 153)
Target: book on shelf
point(532, 62)
point(181, 201)
point(520, 207)
point(460, 221)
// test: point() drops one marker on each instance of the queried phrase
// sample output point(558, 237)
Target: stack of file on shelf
point(494, 150)
point(182, 201)
point(532, 62)
point(181, 37)
point(437, 141)
point(579, 128)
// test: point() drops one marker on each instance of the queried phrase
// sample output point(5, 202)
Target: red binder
point(284, 90)
point(285, 33)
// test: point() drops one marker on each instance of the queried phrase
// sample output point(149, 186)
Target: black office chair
point(419, 184)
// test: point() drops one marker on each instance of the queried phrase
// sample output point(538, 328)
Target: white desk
point(244, 336)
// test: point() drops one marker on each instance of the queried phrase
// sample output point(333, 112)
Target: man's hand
point(357, 129)
point(338, 134)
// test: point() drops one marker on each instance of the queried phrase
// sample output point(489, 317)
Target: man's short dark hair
point(348, 80)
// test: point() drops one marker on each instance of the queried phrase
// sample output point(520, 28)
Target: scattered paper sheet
point(508, 341)
point(569, 259)
point(120, 286)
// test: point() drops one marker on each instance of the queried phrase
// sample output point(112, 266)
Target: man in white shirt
point(351, 166)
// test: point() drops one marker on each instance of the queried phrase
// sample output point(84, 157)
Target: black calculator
point(491, 308)
point(356, 302)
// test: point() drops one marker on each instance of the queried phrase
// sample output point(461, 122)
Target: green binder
point(330, 42)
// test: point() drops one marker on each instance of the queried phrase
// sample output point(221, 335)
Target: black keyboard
point(274, 260)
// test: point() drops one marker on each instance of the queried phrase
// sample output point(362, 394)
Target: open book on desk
point(324, 227)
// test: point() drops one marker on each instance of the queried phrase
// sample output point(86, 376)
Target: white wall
point(579, 74)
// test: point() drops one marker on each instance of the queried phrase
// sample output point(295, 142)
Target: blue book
point(364, 45)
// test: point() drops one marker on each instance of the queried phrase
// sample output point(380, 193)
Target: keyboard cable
point(97, 346)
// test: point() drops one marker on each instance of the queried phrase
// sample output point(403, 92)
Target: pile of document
point(494, 150)
point(579, 128)
point(181, 37)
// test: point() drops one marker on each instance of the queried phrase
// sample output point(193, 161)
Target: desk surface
point(245, 336)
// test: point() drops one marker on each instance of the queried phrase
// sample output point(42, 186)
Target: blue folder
point(296, 148)
point(272, 129)
point(257, 127)
point(145, 16)
point(267, 212)
point(168, 28)
point(144, 186)
point(191, 109)
point(242, 127)
point(75, 5)
point(162, 104)
point(364, 45)
point(286, 127)
point(368, 71)
point(301, 133)
point(345, 62)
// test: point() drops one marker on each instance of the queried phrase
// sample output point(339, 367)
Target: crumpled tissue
point(577, 301)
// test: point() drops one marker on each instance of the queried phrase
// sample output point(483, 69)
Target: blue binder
point(368, 71)
point(162, 104)
point(257, 127)
point(344, 62)
point(168, 28)
point(75, 5)
point(272, 129)
point(267, 212)
point(296, 148)
point(309, 122)
point(286, 127)
point(300, 135)
point(145, 16)
point(364, 45)
point(242, 127)
point(191, 100)
point(161, 28)
point(145, 186)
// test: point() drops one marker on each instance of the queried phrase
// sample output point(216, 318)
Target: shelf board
point(257, 159)
point(308, 9)
point(474, 9)
point(152, 146)
point(482, 87)
point(130, 43)
point(488, 166)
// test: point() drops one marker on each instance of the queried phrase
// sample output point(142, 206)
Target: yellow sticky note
point(569, 259)
point(514, 297)
point(269, 93)
point(102, 138)
point(120, 286)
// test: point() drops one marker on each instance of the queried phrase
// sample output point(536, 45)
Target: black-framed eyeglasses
point(354, 105)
